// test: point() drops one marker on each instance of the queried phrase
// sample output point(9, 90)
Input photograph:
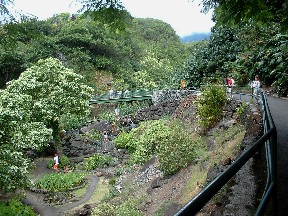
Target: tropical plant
point(209, 105)
point(98, 160)
point(55, 91)
point(179, 149)
point(15, 207)
point(169, 141)
point(59, 182)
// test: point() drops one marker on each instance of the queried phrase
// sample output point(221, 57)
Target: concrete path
point(279, 111)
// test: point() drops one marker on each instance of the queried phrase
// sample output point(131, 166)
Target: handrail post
point(274, 171)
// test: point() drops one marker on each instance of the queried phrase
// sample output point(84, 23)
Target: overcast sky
point(183, 15)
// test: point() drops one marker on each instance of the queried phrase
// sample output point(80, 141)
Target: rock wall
point(171, 95)
point(164, 104)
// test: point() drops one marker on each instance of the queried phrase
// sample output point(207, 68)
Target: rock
point(156, 183)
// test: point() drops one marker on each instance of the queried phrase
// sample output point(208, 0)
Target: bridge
point(122, 97)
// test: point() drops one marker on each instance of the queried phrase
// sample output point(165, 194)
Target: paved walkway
point(279, 111)
point(32, 199)
point(45, 210)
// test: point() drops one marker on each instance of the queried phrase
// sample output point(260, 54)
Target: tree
point(18, 132)
point(55, 91)
point(237, 11)
point(4, 11)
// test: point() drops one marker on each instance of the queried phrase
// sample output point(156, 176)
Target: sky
point(183, 15)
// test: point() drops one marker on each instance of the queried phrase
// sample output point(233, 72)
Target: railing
point(269, 140)
point(120, 96)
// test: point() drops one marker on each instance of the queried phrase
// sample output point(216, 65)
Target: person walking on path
point(56, 162)
point(256, 86)
point(230, 84)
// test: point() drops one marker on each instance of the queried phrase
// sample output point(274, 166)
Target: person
point(56, 162)
point(183, 84)
point(117, 111)
point(256, 86)
point(111, 93)
point(105, 136)
point(230, 84)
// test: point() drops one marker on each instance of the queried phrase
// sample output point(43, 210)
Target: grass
point(227, 145)
point(81, 191)
point(101, 190)
point(194, 185)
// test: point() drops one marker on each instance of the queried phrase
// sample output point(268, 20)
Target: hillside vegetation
point(49, 70)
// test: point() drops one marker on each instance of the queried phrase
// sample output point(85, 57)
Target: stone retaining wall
point(169, 96)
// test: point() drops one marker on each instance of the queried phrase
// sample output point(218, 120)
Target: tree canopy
point(55, 91)
point(19, 132)
point(237, 11)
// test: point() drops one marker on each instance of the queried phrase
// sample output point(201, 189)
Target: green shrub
point(178, 150)
point(69, 121)
point(126, 140)
point(55, 182)
point(107, 116)
point(15, 207)
point(241, 109)
point(169, 141)
point(209, 105)
point(94, 134)
point(104, 209)
point(127, 208)
point(98, 160)
point(143, 140)
point(133, 107)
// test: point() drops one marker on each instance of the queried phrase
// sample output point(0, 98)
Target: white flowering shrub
point(18, 132)
point(31, 108)
point(55, 91)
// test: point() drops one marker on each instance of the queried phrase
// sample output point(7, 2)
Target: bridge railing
point(269, 141)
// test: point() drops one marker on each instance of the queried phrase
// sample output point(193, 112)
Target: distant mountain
point(196, 37)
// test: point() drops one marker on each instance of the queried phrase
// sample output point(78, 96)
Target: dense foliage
point(145, 50)
point(241, 52)
point(98, 160)
point(31, 107)
point(43, 95)
point(55, 182)
point(210, 105)
point(15, 207)
point(169, 141)
point(19, 131)
point(55, 91)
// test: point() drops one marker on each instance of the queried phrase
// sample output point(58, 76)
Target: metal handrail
point(270, 140)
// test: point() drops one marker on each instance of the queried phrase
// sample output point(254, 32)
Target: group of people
point(229, 82)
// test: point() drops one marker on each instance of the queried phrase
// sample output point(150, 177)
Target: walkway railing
point(269, 140)
point(122, 97)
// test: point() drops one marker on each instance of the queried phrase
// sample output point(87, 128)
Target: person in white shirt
point(56, 162)
point(256, 86)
